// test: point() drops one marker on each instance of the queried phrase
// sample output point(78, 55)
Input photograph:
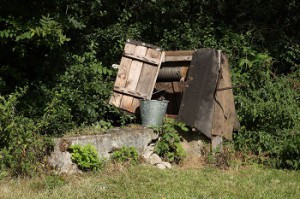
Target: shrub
point(168, 145)
point(81, 97)
point(22, 149)
point(126, 154)
point(269, 111)
point(86, 157)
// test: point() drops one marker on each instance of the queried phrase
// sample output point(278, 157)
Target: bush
point(81, 97)
point(22, 149)
point(269, 111)
point(86, 157)
point(126, 154)
point(168, 146)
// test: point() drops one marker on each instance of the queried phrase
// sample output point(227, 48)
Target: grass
point(147, 182)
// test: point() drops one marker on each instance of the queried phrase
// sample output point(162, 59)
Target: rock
point(148, 151)
point(167, 164)
point(154, 159)
point(161, 166)
point(62, 162)
point(136, 136)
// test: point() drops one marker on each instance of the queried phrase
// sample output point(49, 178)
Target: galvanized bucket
point(153, 112)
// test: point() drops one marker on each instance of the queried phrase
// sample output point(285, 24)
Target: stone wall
point(106, 143)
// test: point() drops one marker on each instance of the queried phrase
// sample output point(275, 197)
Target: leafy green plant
point(126, 154)
point(168, 145)
point(22, 149)
point(81, 98)
point(86, 157)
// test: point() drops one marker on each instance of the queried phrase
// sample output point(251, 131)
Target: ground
point(143, 181)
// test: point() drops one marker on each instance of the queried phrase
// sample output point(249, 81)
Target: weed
point(168, 145)
point(86, 157)
point(126, 154)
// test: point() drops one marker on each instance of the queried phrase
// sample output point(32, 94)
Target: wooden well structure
point(197, 84)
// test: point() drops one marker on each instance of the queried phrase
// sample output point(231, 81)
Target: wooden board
point(123, 72)
point(175, 56)
point(136, 76)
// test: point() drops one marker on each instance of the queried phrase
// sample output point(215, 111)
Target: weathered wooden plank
point(178, 87)
point(143, 59)
point(153, 54)
point(135, 69)
point(152, 84)
point(140, 51)
point(123, 72)
point(148, 73)
point(179, 53)
point(134, 74)
point(126, 102)
point(131, 93)
point(134, 106)
point(147, 78)
point(129, 48)
point(178, 58)
point(115, 99)
point(174, 56)
point(139, 43)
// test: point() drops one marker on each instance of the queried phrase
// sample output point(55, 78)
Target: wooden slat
point(139, 43)
point(131, 93)
point(179, 53)
point(143, 59)
point(147, 77)
point(135, 69)
point(126, 102)
point(123, 72)
point(153, 54)
point(155, 77)
point(134, 74)
point(173, 56)
point(135, 104)
point(140, 51)
point(129, 48)
point(148, 73)
point(115, 99)
point(178, 58)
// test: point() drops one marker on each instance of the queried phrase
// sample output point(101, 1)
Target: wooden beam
point(175, 56)
point(130, 92)
point(139, 43)
point(143, 59)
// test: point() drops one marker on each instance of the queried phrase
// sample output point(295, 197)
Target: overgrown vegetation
point(168, 145)
point(126, 155)
point(86, 157)
point(61, 52)
point(22, 147)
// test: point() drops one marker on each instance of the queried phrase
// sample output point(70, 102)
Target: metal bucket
point(153, 112)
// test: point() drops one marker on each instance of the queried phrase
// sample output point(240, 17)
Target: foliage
point(22, 149)
point(86, 157)
point(278, 149)
point(126, 154)
point(268, 108)
point(168, 145)
point(54, 48)
point(81, 97)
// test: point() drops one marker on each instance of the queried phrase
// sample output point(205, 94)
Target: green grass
point(147, 182)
